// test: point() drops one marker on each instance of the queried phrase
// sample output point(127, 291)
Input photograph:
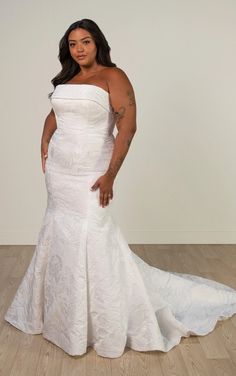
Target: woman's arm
point(50, 126)
point(123, 102)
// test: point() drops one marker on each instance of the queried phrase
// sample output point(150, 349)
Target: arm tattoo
point(119, 114)
point(131, 97)
point(113, 169)
point(115, 166)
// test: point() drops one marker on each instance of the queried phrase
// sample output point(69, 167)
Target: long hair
point(69, 67)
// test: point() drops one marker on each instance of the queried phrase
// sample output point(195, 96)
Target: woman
point(84, 286)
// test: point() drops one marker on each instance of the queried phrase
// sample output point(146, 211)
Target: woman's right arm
point(50, 126)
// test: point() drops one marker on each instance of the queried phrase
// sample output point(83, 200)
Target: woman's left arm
point(122, 99)
point(123, 102)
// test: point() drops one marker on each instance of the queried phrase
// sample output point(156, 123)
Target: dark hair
point(69, 67)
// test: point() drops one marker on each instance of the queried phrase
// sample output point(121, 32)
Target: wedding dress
point(84, 286)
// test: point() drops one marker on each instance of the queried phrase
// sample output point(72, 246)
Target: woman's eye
point(86, 41)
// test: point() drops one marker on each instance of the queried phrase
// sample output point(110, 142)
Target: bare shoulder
point(122, 98)
point(119, 84)
point(116, 74)
point(111, 71)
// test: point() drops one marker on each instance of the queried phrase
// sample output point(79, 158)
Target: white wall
point(178, 181)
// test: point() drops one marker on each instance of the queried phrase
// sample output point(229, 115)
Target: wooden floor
point(211, 355)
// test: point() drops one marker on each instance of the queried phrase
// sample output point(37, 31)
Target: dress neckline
point(96, 86)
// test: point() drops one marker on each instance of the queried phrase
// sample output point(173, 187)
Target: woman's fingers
point(104, 198)
point(104, 183)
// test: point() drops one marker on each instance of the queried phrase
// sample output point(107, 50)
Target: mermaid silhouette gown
point(84, 286)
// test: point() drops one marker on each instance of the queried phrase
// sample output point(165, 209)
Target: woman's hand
point(105, 183)
point(44, 154)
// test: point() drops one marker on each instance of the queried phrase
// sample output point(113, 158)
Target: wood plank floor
point(210, 355)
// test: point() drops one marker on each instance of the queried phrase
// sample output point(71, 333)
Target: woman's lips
point(81, 57)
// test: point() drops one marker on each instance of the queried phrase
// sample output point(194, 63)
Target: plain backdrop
point(178, 181)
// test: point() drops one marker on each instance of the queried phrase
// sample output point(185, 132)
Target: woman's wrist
point(44, 142)
point(110, 175)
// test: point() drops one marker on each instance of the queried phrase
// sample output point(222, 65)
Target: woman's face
point(82, 47)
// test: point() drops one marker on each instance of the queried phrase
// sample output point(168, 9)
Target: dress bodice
point(83, 141)
point(84, 108)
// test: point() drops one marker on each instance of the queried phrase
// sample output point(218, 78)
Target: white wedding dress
point(84, 286)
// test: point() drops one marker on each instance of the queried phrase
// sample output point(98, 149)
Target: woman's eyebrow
point(73, 40)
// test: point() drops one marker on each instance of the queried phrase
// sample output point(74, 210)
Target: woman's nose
point(80, 48)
